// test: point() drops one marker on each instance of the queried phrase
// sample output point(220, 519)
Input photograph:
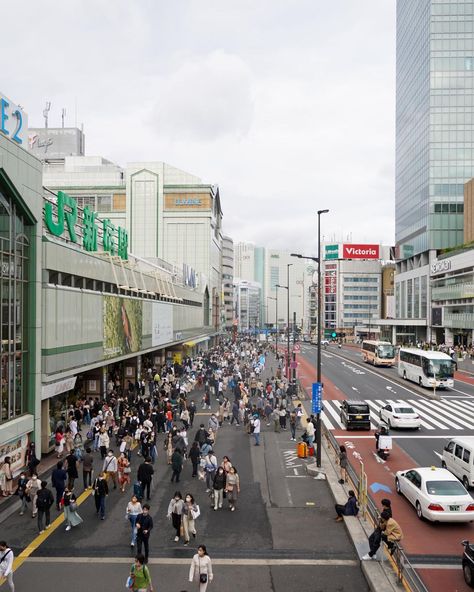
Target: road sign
point(293, 365)
point(297, 348)
point(317, 398)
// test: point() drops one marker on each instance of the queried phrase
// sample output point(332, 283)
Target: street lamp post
point(318, 361)
point(284, 288)
point(276, 306)
point(288, 374)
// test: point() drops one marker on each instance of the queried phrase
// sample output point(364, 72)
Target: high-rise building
point(247, 304)
point(227, 282)
point(434, 119)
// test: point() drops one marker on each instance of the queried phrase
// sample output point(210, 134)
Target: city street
point(428, 545)
point(282, 537)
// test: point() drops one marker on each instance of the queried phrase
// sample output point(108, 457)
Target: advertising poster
point(122, 326)
point(162, 324)
point(16, 450)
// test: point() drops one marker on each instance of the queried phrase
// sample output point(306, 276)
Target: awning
point(196, 341)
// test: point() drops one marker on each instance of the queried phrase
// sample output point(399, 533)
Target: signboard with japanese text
point(68, 218)
point(162, 323)
point(316, 398)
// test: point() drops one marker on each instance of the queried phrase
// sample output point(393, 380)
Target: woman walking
point(134, 509)
point(168, 446)
point(232, 488)
point(195, 456)
point(104, 442)
point(21, 492)
point(7, 470)
point(343, 464)
point(201, 569)
point(191, 512)
point(124, 470)
point(175, 512)
point(218, 487)
point(140, 579)
point(69, 504)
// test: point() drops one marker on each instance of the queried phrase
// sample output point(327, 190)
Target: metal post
point(276, 322)
point(293, 373)
point(288, 321)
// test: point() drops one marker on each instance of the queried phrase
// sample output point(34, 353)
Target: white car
point(400, 416)
point(436, 494)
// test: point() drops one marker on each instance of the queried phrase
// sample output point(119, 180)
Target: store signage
point(187, 201)
point(331, 252)
point(114, 238)
point(56, 388)
point(13, 121)
point(350, 251)
point(440, 266)
point(330, 282)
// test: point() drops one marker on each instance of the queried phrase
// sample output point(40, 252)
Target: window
point(458, 451)
point(450, 447)
point(466, 456)
point(104, 203)
point(274, 277)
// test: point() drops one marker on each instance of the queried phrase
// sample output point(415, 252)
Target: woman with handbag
point(69, 504)
point(7, 470)
point(191, 512)
point(124, 470)
point(139, 579)
point(175, 512)
point(232, 487)
point(201, 569)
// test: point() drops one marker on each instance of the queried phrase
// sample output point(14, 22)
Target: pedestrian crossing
point(435, 415)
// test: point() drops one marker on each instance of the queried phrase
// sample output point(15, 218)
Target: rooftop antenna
point(45, 113)
point(63, 115)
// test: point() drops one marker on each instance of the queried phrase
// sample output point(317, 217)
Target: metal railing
point(406, 574)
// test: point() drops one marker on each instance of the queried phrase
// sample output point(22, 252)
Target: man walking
point(87, 468)
point(144, 525)
point(6, 564)
point(58, 481)
point(44, 501)
point(145, 475)
point(110, 467)
point(101, 491)
point(256, 429)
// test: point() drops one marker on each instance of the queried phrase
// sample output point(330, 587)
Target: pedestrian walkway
point(452, 414)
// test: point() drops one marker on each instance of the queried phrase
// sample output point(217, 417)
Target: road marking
point(411, 437)
point(185, 561)
point(390, 388)
point(438, 454)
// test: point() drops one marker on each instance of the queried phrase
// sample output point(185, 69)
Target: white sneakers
point(68, 528)
point(368, 557)
point(176, 539)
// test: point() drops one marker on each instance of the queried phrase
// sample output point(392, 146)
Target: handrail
point(406, 573)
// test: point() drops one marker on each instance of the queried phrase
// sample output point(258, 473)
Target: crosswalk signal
point(334, 334)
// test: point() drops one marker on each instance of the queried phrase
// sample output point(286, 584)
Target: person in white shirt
point(110, 467)
point(310, 432)
point(256, 429)
point(73, 427)
point(6, 564)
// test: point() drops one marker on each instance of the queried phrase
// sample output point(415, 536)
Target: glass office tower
point(434, 122)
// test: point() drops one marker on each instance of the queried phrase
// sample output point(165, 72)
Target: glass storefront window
point(14, 247)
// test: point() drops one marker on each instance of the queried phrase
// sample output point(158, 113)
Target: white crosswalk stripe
point(442, 415)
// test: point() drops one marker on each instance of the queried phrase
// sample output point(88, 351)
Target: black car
point(468, 563)
point(355, 414)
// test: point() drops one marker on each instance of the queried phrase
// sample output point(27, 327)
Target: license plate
point(454, 508)
point(358, 416)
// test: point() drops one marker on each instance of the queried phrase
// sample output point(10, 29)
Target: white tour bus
point(378, 353)
point(426, 368)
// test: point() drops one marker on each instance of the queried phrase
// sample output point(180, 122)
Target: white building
point(227, 282)
point(247, 296)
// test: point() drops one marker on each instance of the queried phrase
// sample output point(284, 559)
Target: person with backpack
point(6, 564)
point(44, 501)
point(140, 579)
point(350, 508)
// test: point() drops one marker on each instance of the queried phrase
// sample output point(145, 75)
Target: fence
point(406, 574)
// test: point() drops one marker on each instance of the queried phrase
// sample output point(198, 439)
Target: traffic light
point(334, 334)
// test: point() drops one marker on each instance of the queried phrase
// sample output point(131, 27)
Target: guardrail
point(406, 574)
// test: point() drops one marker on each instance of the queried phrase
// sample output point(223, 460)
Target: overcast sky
point(287, 104)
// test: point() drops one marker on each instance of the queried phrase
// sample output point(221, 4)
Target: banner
point(161, 324)
point(16, 450)
point(122, 326)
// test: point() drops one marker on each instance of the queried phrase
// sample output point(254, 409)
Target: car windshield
point(445, 488)
point(386, 352)
point(438, 368)
point(403, 410)
point(359, 409)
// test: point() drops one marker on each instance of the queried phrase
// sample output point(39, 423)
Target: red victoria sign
point(350, 251)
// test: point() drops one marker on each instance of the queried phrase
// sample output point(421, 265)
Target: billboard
point(122, 326)
point(162, 324)
point(331, 251)
point(352, 251)
point(55, 143)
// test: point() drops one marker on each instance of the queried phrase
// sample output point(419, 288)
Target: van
point(355, 414)
point(458, 457)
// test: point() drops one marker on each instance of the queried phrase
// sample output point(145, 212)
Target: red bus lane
point(307, 375)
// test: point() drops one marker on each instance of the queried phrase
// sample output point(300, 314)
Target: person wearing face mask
point(32, 488)
point(110, 467)
point(21, 492)
point(201, 569)
point(219, 486)
point(175, 511)
point(101, 491)
point(144, 524)
point(191, 512)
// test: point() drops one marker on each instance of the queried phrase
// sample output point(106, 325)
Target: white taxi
point(436, 494)
point(400, 416)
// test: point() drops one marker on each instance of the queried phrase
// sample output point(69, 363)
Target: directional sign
point(317, 398)
point(296, 348)
point(375, 487)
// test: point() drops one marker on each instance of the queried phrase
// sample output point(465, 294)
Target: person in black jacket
point(219, 485)
point(101, 491)
point(195, 456)
point(44, 501)
point(71, 469)
point(58, 481)
point(201, 435)
point(145, 475)
point(176, 465)
point(144, 524)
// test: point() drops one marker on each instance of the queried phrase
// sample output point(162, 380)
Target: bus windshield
point(438, 368)
point(386, 352)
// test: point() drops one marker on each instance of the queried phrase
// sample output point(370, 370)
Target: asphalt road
point(282, 537)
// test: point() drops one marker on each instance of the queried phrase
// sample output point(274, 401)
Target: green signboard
point(114, 239)
point(331, 252)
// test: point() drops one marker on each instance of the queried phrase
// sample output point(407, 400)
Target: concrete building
point(169, 214)
point(247, 297)
point(227, 282)
point(53, 144)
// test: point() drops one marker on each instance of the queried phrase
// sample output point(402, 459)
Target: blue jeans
point(133, 522)
point(100, 505)
point(257, 439)
point(310, 441)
